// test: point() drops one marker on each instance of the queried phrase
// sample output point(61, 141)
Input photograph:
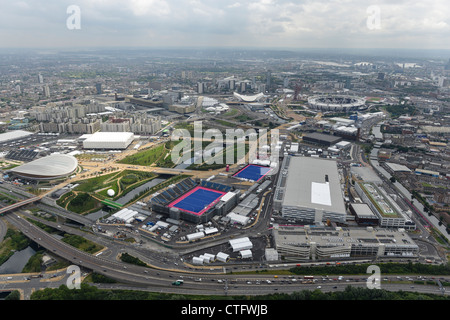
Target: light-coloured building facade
point(326, 243)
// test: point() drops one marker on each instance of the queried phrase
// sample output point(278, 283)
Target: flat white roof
point(314, 183)
point(238, 218)
point(110, 136)
point(239, 240)
point(320, 193)
point(398, 167)
point(12, 135)
point(227, 196)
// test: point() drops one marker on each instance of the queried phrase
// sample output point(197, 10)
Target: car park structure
point(327, 243)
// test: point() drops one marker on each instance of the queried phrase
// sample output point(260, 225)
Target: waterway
point(130, 195)
point(17, 261)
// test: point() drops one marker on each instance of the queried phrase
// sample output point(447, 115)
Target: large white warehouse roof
point(109, 140)
point(12, 135)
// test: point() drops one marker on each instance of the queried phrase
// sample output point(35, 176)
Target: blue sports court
point(252, 172)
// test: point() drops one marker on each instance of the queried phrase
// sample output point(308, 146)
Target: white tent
point(241, 244)
point(197, 261)
point(246, 254)
point(195, 236)
point(223, 257)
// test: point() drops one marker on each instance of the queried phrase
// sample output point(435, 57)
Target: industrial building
point(309, 190)
point(363, 214)
point(108, 140)
point(321, 139)
point(326, 243)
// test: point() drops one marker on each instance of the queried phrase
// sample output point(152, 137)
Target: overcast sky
point(411, 24)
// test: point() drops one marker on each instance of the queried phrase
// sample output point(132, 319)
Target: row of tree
point(87, 292)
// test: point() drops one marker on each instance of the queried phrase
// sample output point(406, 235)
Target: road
point(159, 279)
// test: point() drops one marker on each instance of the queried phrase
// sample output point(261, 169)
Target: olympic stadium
point(336, 103)
point(47, 168)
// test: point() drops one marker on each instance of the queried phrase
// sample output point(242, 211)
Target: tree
point(392, 179)
point(15, 295)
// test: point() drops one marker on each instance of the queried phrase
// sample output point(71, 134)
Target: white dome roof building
point(47, 168)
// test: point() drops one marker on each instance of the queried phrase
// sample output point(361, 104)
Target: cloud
point(282, 23)
point(234, 5)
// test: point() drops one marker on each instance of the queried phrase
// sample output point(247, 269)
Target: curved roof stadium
point(47, 168)
point(252, 98)
point(336, 103)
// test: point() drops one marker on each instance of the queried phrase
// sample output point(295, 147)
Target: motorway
point(159, 278)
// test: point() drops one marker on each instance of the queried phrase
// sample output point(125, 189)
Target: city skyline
point(264, 23)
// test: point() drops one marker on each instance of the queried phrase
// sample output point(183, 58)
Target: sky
point(407, 24)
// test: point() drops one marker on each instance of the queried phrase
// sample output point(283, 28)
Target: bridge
point(19, 204)
point(112, 204)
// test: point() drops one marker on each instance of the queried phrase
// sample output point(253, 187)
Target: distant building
point(98, 87)
point(181, 108)
point(153, 102)
point(138, 123)
point(46, 91)
point(201, 87)
point(321, 139)
point(268, 79)
point(249, 98)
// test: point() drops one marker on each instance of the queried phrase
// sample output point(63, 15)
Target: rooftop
point(314, 183)
point(109, 136)
point(326, 236)
point(52, 166)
